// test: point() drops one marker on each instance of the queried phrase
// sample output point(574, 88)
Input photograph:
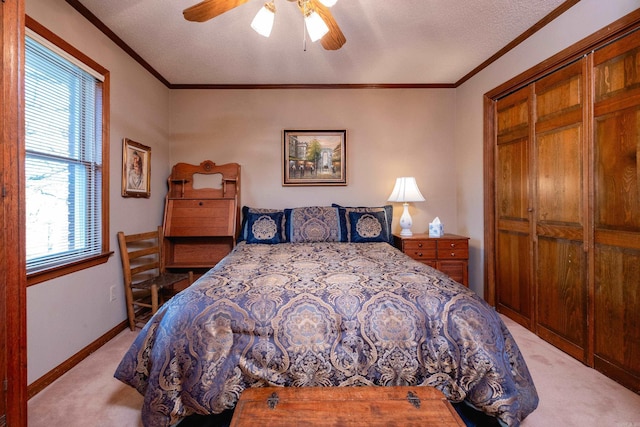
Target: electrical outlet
point(112, 293)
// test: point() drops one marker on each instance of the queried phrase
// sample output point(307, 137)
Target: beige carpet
point(571, 394)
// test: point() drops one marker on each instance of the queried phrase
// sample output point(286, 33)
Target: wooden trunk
point(344, 406)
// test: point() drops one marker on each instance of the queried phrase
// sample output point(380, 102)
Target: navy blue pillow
point(368, 227)
point(245, 216)
point(345, 227)
point(264, 227)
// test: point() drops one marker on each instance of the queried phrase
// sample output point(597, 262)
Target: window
point(64, 164)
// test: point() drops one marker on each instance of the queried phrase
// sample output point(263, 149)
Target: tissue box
point(436, 230)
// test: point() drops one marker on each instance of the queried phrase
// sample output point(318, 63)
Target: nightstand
point(449, 253)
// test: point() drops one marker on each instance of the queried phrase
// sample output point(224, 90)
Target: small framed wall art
point(136, 169)
point(314, 157)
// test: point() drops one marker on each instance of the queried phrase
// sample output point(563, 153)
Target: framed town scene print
point(136, 169)
point(314, 157)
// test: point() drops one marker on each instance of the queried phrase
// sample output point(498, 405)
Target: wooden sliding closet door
point(617, 210)
point(514, 292)
point(559, 210)
point(540, 159)
point(562, 157)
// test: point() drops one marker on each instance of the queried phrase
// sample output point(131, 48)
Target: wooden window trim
point(54, 272)
point(94, 260)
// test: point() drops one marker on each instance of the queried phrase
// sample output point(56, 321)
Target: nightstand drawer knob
point(419, 253)
point(453, 245)
point(419, 245)
point(453, 254)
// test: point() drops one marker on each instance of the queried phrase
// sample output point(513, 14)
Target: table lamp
point(405, 191)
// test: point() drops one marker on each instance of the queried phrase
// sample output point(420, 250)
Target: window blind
point(63, 135)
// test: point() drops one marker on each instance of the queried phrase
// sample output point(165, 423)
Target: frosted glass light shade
point(316, 27)
point(263, 21)
point(328, 3)
point(406, 190)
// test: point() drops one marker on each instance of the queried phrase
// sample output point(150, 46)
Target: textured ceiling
point(388, 42)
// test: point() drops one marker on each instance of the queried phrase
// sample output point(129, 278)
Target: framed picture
point(314, 157)
point(136, 169)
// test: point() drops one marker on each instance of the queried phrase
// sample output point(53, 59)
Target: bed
point(318, 297)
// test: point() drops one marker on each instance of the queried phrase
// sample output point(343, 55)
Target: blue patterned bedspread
point(324, 314)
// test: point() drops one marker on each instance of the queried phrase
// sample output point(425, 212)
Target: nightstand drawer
point(453, 249)
point(449, 253)
point(420, 249)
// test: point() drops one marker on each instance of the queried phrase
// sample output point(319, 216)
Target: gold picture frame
point(136, 169)
point(314, 157)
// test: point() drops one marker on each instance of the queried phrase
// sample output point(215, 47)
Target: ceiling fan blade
point(334, 39)
point(208, 9)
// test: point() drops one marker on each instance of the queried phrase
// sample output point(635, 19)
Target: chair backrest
point(141, 255)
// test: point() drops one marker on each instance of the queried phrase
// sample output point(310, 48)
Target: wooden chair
point(146, 283)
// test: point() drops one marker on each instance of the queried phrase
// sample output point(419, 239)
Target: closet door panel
point(559, 198)
point(617, 210)
point(513, 276)
point(561, 281)
point(617, 318)
point(513, 180)
point(617, 170)
point(617, 242)
point(559, 177)
point(617, 71)
point(562, 298)
point(514, 293)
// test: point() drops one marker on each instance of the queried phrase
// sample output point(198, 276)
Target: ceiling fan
point(333, 39)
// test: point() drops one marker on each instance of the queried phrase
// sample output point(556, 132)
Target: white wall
point(67, 314)
point(390, 133)
point(583, 19)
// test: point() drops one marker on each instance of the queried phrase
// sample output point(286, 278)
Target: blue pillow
point(345, 226)
point(264, 227)
point(368, 227)
point(245, 216)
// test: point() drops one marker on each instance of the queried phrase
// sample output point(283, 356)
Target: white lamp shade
point(263, 21)
point(328, 3)
point(406, 190)
point(316, 27)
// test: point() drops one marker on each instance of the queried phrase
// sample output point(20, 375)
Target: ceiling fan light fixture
point(316, 27)
point(263, 21)
point(328, 3)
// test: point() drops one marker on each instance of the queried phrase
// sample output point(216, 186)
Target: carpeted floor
point(571, 394)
